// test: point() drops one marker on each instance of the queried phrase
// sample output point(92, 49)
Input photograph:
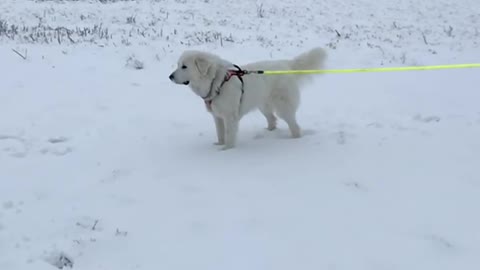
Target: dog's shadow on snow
point(256, 138)
point(281, 133)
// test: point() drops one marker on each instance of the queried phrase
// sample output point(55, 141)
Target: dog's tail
point(312, 59)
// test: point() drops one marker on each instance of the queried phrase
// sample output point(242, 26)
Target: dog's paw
point(296, 135)
point(219, 143)
point(226, 147)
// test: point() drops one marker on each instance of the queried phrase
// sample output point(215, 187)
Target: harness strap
point(230, 73)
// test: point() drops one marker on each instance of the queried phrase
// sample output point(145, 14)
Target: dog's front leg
point(231, 130)
point(220, 126)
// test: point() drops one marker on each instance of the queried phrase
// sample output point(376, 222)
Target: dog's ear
point(203, 65)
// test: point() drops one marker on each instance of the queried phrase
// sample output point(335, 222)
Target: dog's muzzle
point(172, 78)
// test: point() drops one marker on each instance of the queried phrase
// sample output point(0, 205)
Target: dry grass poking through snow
point(376, 26)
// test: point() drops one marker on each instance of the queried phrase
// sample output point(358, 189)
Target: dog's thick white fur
point(229, 100)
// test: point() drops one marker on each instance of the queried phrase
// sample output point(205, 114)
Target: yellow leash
point(358, 70)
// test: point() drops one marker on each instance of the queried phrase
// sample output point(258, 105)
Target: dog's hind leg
point(267, 111)
point(286, 108)
point(288, 115)
point(220, 127)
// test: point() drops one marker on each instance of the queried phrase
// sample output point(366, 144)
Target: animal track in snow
point(60, 139)
point(341, 137)
point(14, 146)
point(8, 205)
point(356, 185)
point(115, 175)
point(56, 146)
point(59, 260)
point(426, 119)
point(375, 125)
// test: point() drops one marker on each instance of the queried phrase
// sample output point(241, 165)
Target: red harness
point(230, 73)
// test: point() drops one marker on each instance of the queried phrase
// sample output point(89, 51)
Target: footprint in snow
point(8, 205)
point(115, 175)
point(59, 260)
point(356, 185)
point(426, 119)
point(341, 137)
point(136, 84)
point(56, 146)
point(375, 125)
point(14, 146)
point(55, 140)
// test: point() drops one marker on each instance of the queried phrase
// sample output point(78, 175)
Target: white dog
point(229, 94)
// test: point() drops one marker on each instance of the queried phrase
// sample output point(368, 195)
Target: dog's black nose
point(171, 77)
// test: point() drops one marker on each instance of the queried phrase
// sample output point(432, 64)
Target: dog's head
point(200, 71)
point(193, 68)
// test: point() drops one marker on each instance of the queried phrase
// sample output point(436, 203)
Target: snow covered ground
point(101, 166)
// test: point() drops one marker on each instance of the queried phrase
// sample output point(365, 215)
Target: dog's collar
point(215, 92)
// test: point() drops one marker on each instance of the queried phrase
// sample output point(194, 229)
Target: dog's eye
point(184, 67)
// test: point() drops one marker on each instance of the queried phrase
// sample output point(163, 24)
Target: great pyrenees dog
point(229, 94)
